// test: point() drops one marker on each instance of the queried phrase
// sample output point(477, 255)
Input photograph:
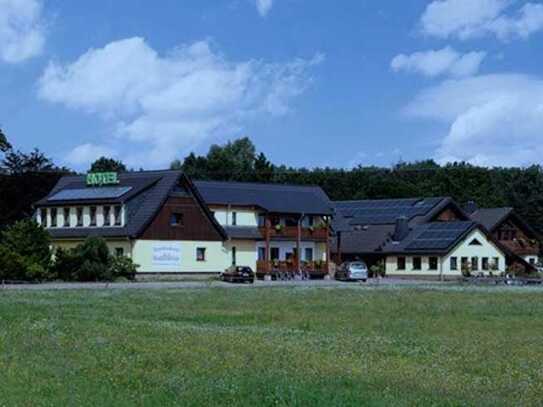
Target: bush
point(91, 261)
point(29, 240)
point(25, 253)
point(15, 267)
point(123, 267)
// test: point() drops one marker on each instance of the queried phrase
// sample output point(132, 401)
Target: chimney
point(402, 229)
point(471, 207)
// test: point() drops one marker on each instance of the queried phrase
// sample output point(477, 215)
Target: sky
point(313, 83)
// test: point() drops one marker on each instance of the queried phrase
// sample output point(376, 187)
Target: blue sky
point(312, 83)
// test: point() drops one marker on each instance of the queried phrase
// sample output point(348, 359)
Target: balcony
point(319, 233)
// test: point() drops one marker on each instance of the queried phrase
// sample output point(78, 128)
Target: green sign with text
point(102, 178)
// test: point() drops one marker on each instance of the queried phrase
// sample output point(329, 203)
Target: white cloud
point(22, 33)
point(493, 120)
point(264, 7)
point(466, 19)
point(445, 61)
point(160, 105)
point(87, 153)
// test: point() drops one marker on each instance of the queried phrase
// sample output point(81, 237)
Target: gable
point(448, 214)
point(487, 248)
point(196, 224)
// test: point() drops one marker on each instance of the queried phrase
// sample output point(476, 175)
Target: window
point(400, 263)
point(177, 219)
point(93, 215)
point(532, 261)
point(53, 217)
point(79, 215)
point(475, 242)
point(261, 220)
point(43, 217)
point(290, 221)
point(417, 263)
point(234, 218)
point(308, 221)
point(261, 254)
point(66, 217)
point(107, 215)
point(234, 255)
point(454, 263)
point(274, 253)
point(201, 254)
point(119, 252)
point(433, 263)
point(308, 254)
point(474, 263)
point(485, 264)
point(464, 263)
point(496, 263)
point(117, 216)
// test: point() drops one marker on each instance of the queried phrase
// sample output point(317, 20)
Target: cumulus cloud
point(493, 120)
point(22, 33)
point(445, 61)
point(87, 153)
point(161, 104)
point(466, 19)
point(264, 7)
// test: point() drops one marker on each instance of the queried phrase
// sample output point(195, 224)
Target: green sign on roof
point(102, 178)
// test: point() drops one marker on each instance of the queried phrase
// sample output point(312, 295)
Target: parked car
point(352, 271)
point(238, 274)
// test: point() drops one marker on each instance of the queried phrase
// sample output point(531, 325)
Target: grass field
point(278, 346)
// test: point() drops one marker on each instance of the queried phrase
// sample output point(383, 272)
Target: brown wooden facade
point(195, 224)
point(516, 238)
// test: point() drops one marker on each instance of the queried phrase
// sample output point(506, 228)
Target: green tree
point(25, 252)
point(104, 164)
point(4, 144)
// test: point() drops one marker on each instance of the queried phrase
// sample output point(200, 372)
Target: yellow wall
point(244, 217)
point(111, 244)
point(246, 253)
point(145, 252)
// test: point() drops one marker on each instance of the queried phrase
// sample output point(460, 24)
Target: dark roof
point(243, 232)
point(278, 198)
point(148, 193)
point(387, 211)
point(366, 240)
point(433, 237)
point(490, 218)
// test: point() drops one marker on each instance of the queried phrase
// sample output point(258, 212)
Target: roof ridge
point(259, 183)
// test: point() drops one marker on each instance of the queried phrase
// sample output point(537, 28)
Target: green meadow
point(272, 346)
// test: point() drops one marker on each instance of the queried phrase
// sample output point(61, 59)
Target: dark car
point(352, 271)
point(238, 274)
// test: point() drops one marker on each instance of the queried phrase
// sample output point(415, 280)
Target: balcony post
point(298, 244)
point(267, 233)
point(327, 246)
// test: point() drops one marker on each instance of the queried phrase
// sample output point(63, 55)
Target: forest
point(27, 177)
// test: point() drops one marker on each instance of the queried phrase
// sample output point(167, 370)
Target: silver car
point(352, 271)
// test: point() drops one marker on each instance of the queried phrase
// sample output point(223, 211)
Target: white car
point(352, 271)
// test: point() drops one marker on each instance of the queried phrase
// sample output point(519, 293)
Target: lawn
point(272, 346)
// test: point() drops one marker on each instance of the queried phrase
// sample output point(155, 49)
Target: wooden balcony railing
point(263, 266)
point(291, 232)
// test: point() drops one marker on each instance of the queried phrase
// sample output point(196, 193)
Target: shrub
point(25, 252)
point(124, 267)
point(91, 261)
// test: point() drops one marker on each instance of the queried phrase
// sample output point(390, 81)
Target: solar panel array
point(90, 193)
point(379, 212)
point(439, 236)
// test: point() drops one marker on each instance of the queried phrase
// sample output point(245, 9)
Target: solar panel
point(89, 193)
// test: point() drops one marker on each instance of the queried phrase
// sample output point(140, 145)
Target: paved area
point(208, 284)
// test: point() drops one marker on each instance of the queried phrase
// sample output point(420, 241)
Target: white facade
point(480, 257)
point(48, 221)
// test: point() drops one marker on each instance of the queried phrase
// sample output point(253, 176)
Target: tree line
point(26, 178)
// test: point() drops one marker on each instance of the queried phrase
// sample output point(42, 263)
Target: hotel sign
point(102, 178)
